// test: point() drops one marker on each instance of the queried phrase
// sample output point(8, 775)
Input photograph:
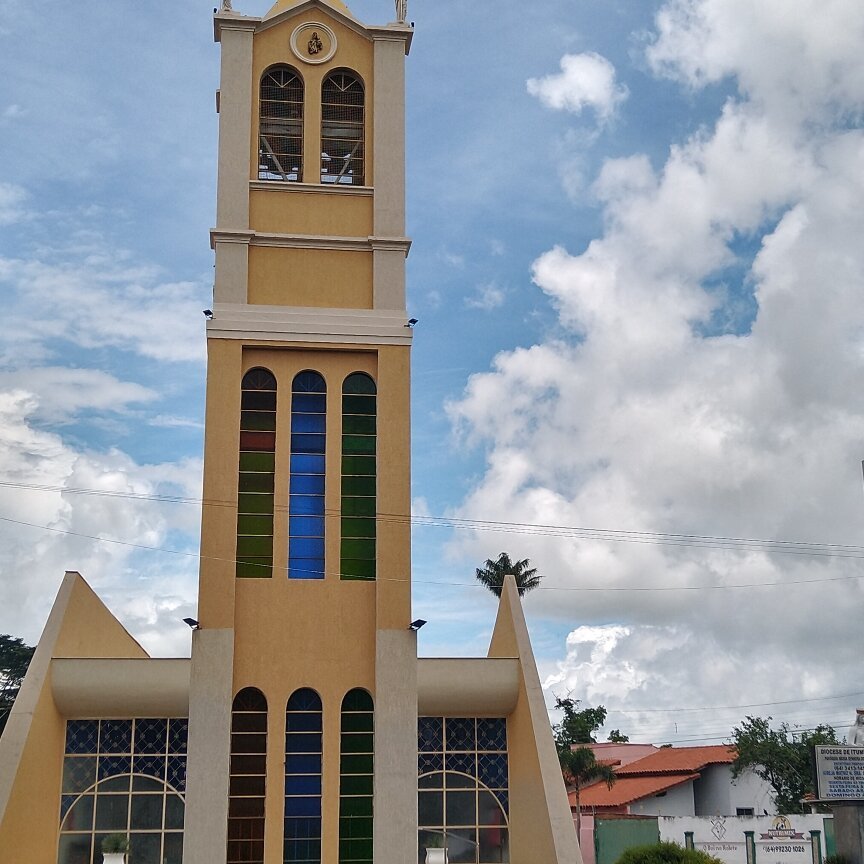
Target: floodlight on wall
point(411, 322)
point(416, 625)
point(208, 313)
point(192, 623)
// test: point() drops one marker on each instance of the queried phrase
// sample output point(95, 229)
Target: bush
point(115, 843)
point(666, 853)
point(837, 859)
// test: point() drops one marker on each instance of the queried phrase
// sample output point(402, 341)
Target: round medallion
point(313, 43)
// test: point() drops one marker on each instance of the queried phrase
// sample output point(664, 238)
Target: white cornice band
point(311, 241)
point(307, 324)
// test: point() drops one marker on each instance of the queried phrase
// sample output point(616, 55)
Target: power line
point(471, 585)
point(730, 707)
point(784, 547)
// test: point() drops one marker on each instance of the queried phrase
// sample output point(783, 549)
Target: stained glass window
point(303, 747)
point(463, 792)
point(306, 503)
point(248, 775)
point(359, 477)
point(257, 474)
point(356, 769)
point(126, 777)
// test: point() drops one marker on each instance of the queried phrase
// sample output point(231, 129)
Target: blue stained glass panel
point(307, 505)
point(309, 403)
point(464, 763)
point(430, 734)
point(307, 443)
point(306, 463)
point(302, 763)
point(308, 423)
point(116, 736)
point(304, 722)
point(304, 699)
point(306, 526)
point(82, 736)
point(176, 774)
point(306, 549)
point(306, 569)
point(151, 735)
point(152, 766)
point(504, 798)
point(304, 784)
point(460, 733)
point(302, 806)
point(303, 742)
point(307, 484)
point(491, 733)
point(302, 828)
point(178, 733)
point(492, 770)
point(428, 762)
point(308, 382)
point(66, 801)
point(111, 765)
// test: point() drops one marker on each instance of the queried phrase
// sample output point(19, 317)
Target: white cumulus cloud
point(585, 81)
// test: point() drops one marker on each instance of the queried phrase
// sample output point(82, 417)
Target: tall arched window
point(356, 769)
point(280, 133)
point(303, 730)
point(257, 471)
point(359, 409)
point(248, 775)
point(306, 502)
point(342, 119)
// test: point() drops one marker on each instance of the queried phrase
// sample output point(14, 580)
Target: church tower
point(305, 584)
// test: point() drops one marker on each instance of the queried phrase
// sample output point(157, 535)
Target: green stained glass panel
point(261, 421)
point(356, 827)
point(358, 382)
point(357, 424)
point(255, 568)
point(358, 506)
point(255, 546)
point(256, 482)
point(358, 486)
point(360, 722)
point(358, 445)
point(358, 527)
point(357, 466)
point(359, 570)
point(359, 784)
point(361, 764)
point(361, 806)
point(357, 743)
point(251, 503)
point(263, 462)
point(260, 525)
point(358, 405)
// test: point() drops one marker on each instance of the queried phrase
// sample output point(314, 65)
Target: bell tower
point(303, 702)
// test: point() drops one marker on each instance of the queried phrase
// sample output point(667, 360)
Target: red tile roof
point(628, 789)
point(677, 760)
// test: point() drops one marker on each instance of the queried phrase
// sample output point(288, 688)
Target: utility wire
point(469, 585)
point(729, 707)
point(786, 547)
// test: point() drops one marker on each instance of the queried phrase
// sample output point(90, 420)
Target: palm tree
point(492, 575)
point(581, 768)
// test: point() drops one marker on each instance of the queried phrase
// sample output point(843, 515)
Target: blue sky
point(637, 266)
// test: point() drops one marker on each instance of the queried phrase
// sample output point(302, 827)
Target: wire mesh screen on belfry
point(280, 138)
point(342, 118)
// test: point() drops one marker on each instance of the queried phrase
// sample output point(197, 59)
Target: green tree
point(779, 756)
point(616, 737)
point(15, 657)
point(580, 769)
point(577, 726)
point(492, 574)
point(665, 853)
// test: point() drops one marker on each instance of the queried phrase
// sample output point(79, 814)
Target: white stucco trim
point(467, 686)
point(309, 324)
point(310, 241)
point(330, 188)
point(121, 687)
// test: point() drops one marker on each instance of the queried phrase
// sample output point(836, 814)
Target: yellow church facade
point(304, 729)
